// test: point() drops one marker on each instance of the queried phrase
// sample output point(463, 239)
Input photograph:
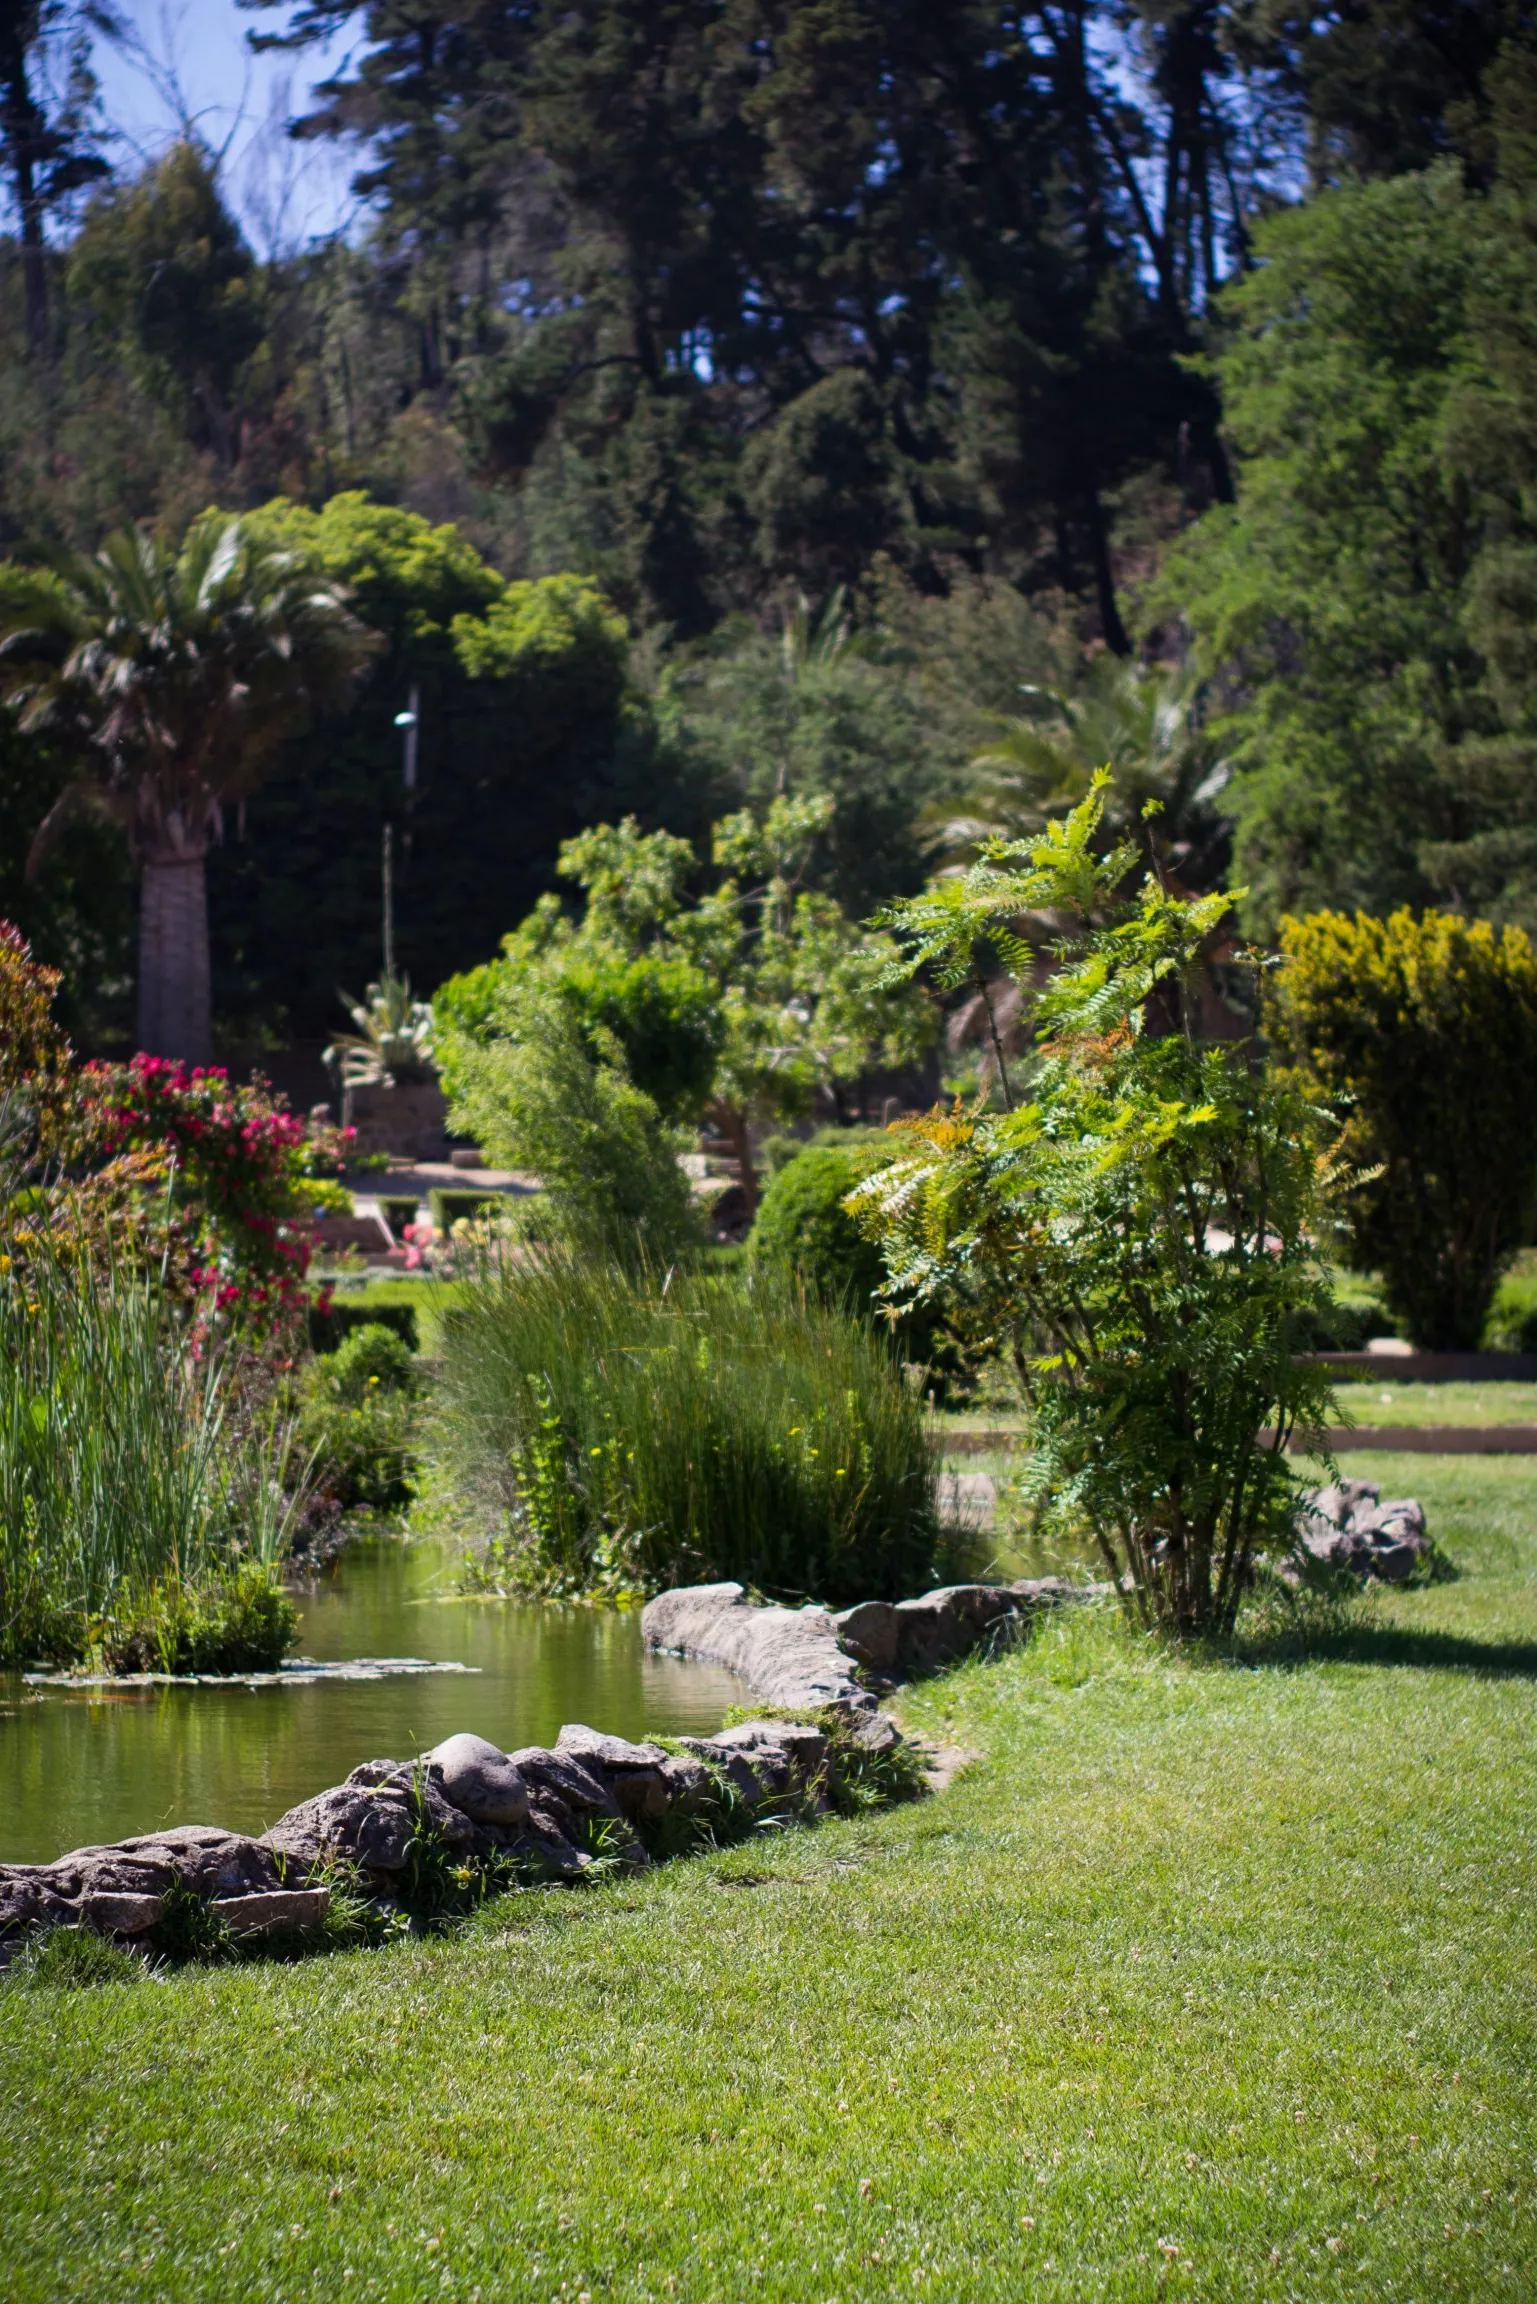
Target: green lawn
point(1208, 1980)
point(1364, 1400)
point(1378, 1400)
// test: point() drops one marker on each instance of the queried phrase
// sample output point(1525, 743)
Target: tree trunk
point(1116, 638)
point(733, 1126)
point(24, 129)
point(175, 999)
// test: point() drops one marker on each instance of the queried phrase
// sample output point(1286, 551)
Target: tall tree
point(48, 157)
point(1387, 86)
point(175, 673)
point(1331, 600)
point(160, 264)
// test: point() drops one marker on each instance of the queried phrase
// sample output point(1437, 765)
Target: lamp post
point(409, 723)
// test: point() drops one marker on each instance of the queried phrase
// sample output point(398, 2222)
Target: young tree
point(1423, 1035)
point(742, 1003)
point(1140, 1233)
point(175, 673)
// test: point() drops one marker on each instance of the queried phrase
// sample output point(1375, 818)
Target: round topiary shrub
point(802, 1229)
point(372, 1358)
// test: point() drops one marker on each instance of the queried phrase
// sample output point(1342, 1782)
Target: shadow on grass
point(1392, 1644)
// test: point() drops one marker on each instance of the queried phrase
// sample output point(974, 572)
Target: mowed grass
point(1378, 1400)
point(1206, 1980)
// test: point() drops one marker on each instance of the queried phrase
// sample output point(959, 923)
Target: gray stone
point(260, 1915)
point(31, 1897)
point(481, 1781)
point(370, 1824)
point(687, 1781)
point(751, 1788)
point(869, 1633)
point(790, 1656)
point(1344, 1527)
point(548, 1844)
point(795, 1746)
point(947, 1623)
point(112, 1914)
point(918, 1635)
point(207, 1860)
point(567, 1778)
point(1043, 1591)
point(604, 1754)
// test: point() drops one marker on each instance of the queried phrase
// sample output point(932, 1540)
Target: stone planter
point(407, 1120)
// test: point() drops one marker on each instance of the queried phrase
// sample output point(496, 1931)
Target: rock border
point(397, 1834)
point(813, 1656)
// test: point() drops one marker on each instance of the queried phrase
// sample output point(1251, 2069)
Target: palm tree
point(1144, 726)
point(174, 673)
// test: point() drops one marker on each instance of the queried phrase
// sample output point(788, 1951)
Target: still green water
point(78, 1767)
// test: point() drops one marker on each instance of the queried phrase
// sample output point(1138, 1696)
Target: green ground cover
point(1208, 1980)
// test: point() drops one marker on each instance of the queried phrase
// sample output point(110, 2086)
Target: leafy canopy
point(750, 997)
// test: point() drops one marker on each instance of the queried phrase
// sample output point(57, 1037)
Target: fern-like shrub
point(1141, 1227)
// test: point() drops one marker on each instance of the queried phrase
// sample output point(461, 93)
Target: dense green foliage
point(1368, 599)
point(1192, 1877)
point(558, 1100)
point(1423, 1036)
point(670, 1428)
point(858, 377)
point(748, 1001)
point(1138, 1229)
point(357, 1421)
point(528, 730)
point(802, 1229)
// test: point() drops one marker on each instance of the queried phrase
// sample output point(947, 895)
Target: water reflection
point(78, 1768)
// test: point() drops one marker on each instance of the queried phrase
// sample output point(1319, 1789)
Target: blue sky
point(189, 57)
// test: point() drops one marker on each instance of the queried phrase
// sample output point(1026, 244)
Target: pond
point(79, 1766)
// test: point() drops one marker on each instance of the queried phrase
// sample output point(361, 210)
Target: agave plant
point(392, 1046)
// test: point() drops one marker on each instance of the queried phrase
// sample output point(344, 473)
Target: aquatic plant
point(145, 1506)
point(637, 1430)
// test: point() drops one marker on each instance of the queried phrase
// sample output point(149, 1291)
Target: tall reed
point(647, 1430)
point(131, 1484)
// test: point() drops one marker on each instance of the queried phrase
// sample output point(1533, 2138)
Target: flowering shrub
point(229, 1160)
point(212, 1181)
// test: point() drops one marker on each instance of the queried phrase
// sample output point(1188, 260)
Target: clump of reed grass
point(145, 1509)
point(635, 1430)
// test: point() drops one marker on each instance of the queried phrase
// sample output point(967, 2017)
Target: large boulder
point(481, 1781)
point(560, 1780)
point(634, 1773)
point(900, 1640)
point(790, 1656)
point(371, 1820)
point(121, 1890)
point(1348, 1527)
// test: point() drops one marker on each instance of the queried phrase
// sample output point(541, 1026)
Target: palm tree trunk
point(175, 999)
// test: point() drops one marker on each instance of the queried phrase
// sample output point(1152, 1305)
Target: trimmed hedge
point(803, 1231)
point(451, 1208)
point(341, 1318)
